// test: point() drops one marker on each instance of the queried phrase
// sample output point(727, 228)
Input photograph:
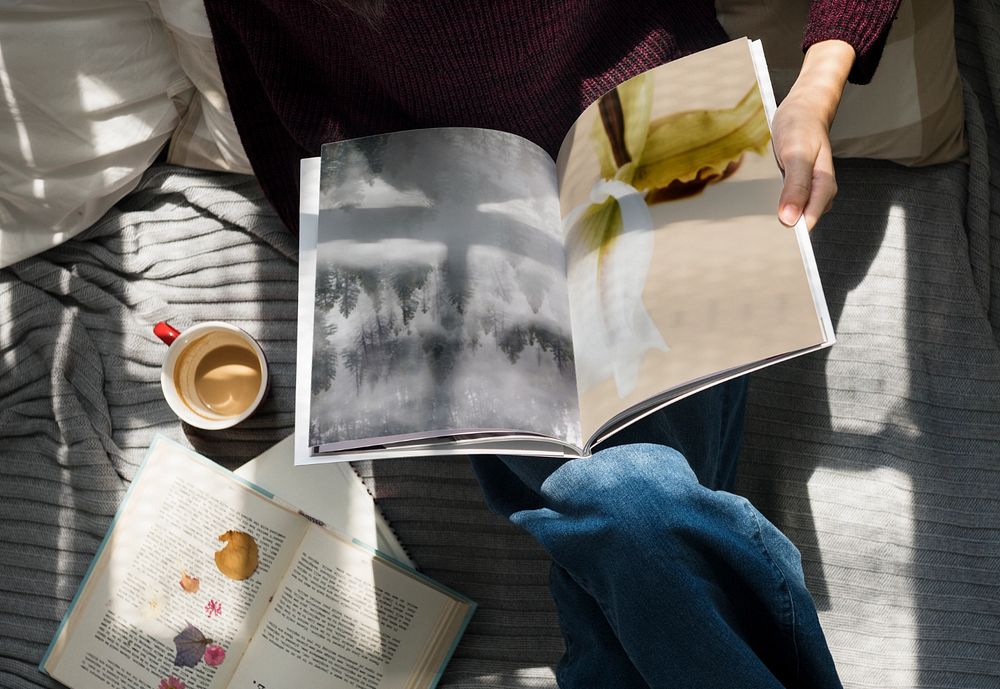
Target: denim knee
point(625, 500)
point(643, 503)
point(656, 550)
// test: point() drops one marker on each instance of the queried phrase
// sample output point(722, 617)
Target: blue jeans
point(661, 578)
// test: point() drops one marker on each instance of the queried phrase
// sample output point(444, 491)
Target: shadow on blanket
point(876, 457)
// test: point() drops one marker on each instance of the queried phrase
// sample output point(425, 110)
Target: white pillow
point(90, 92)
point(206, 137)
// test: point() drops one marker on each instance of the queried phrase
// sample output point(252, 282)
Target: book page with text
point(678, 267)
point(347, 619)
point(157, 578)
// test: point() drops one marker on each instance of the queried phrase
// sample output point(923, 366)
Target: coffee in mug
point(215, 374)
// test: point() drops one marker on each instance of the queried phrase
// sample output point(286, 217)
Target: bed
point(880, 458)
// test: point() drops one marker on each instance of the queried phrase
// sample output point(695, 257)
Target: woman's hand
point(801, 131)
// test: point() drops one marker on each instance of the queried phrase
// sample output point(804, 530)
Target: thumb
point(798, 186)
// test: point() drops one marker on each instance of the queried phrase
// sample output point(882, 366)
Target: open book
point(330, 492)
point(206, 581)
point(462, 292)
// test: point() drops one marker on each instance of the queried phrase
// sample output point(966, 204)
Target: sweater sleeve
point(250, 60)
point(862, 23)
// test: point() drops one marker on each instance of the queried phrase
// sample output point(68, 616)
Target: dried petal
point(213, 608)
point(191, 644)
point(189, 583)
point(238, 560)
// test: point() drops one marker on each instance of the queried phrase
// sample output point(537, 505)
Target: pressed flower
point(191, 645)
point(609, 237)
point(214, 655)
point(189, 583)
point(154, 605)
point(238, 560)
point(172, 682)
point(213, 608)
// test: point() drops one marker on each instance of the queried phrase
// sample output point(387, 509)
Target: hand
point(801, 132)
point(802, 146)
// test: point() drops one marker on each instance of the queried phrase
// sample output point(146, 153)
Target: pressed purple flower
point(191, 644)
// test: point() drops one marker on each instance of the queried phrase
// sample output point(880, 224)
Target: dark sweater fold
point(300, 73)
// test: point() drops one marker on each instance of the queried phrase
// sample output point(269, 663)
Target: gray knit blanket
point(880, 458)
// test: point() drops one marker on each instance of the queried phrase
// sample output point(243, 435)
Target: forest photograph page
point(441, 303)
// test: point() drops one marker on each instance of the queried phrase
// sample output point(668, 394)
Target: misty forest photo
point(441, 299)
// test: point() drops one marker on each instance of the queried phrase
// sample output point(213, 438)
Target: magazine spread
point(460, 291)
point(207, 581)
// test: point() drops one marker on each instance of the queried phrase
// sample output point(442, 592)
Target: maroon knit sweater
point(300, 73)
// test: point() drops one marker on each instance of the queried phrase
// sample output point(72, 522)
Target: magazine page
point(308, 230)
point(678, 268)
point(180, 582)
point(457, 445)
point(440, 292)
point(345, 618)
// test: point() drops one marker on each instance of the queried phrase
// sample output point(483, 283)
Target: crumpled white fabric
point(89, 94)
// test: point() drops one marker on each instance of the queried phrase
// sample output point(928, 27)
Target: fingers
point(810, 185)
point(795, 194)
point(802, 147)
point(824, 188)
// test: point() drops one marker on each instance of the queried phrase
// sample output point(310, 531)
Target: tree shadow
point(80, 385)
point(875, 456)
point(776, 404)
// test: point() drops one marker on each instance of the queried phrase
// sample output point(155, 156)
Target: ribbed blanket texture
point(880, 458)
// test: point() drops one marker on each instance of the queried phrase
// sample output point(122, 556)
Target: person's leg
point(707, 428)
point(593, 655)
point(659, 580)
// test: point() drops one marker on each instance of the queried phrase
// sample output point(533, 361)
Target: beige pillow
point(206, 137)
point(89, 95)
point(910, 113)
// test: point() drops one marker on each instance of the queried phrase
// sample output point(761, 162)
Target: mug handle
point(166, 332)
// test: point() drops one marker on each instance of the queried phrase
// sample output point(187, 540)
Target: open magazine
point(462, 292)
